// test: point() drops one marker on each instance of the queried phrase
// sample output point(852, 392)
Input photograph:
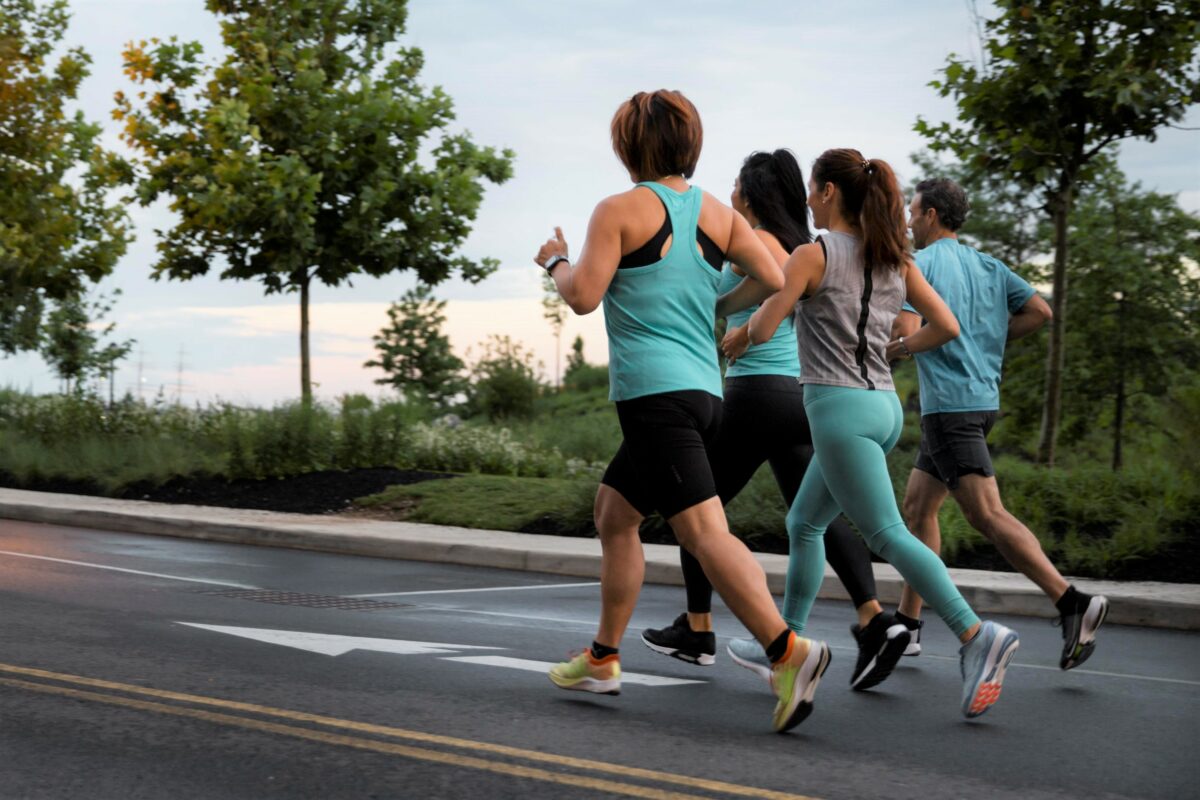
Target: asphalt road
point(111, 686)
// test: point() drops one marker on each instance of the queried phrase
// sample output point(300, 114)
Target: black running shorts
point(662, 465)
point(955, 444)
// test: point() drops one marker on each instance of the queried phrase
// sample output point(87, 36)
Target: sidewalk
point(1152, 604)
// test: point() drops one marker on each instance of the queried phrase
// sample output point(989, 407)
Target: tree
point(414, 351)
point(554, 311)
point(575, 358)
point(1133, 268)
point(504, 380)
point(310, 153)
point(71, 343)
point(1061, 80)
point(57, 232)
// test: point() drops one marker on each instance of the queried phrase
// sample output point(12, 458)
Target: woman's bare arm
point(941, 325)
point(583, 284)
point(802, 272)
point(763, 275)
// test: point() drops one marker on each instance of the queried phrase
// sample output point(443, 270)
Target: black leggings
point(763, 420)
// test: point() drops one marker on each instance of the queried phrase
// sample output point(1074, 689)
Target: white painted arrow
point(333, 645)
point(544, 666)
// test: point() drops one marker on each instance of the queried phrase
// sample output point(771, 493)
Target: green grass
point(494, 502)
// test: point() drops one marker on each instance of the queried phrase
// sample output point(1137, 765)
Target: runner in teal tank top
point(653, 256)
point(776, 356)
point(763, 421)
point(659, 317)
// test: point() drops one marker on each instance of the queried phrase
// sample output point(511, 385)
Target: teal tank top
point(779, 355)
point(660, 318)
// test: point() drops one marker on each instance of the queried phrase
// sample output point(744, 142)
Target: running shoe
point(880, 646)
point(914, 639)
point(678, 640)
point(983, 662)
point(749, 654)
point(585, 673)
point(1079, 629)
point(794, 681)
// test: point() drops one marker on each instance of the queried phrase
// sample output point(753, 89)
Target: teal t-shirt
point(779, 355)
point(660, 317)
point(964, 374)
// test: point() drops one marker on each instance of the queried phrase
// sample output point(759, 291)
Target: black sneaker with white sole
point(678, 640)
point(1079, 628)
point(880, 646)
point(914, 639)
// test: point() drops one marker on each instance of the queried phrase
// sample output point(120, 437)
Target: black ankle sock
point(907, 621)
point(600, 651)
point(1069, 601)
point(778, 648)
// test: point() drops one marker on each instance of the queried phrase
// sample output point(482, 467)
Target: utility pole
point(179, 378)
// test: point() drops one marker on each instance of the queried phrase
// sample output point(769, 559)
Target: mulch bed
point(312, 493)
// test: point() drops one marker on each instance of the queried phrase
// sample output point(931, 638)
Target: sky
point(542, 77)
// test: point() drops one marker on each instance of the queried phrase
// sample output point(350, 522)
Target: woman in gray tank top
point(848, 288)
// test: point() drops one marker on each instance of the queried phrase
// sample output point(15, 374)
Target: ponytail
point(773, 187)
point(871, 197)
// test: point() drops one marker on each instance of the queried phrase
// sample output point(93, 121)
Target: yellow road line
point(514, 770)
point(401, 733)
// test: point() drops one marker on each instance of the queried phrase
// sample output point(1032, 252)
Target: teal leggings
point(853, 430)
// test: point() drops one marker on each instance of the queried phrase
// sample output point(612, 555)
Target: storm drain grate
point(305, 600)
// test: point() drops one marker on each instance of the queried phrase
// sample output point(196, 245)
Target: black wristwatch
point(553, 260)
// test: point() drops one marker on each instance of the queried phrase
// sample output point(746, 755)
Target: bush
point(504, 382)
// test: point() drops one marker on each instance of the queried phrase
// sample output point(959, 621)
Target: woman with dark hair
point(763, 420)
point(850, 286)
point(653, 256)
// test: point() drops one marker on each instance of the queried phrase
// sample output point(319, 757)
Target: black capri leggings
point(763, 419)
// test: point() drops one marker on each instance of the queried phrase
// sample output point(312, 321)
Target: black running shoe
point(880, 646)
point(1079, 629)
point(678, 640)
point(914, 641)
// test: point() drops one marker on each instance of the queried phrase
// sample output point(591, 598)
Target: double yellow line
point(495, 758)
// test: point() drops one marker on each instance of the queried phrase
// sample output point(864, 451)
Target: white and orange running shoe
point(983, 661)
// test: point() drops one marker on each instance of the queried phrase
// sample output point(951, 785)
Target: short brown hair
point(656, 134)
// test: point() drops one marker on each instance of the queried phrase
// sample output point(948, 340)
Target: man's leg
point(979, 498)
point(923, 498)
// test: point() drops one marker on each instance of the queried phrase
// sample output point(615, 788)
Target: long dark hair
point(773, 187)
point(871, 197)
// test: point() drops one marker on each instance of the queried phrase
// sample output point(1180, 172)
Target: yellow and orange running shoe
point(794, 679)
point(586, 673)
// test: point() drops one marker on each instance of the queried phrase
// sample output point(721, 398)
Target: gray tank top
point(844, 327)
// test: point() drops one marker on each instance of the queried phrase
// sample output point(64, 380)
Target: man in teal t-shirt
point(960, 399)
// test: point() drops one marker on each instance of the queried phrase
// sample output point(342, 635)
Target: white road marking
point(591, 621)
point(131, 571)
point(487, 589)
point(544, 666)
point(334, 645)
point(1076, 671)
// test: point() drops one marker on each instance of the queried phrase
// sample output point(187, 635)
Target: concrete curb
point(1151, 604)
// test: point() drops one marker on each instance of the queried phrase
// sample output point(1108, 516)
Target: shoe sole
point(989, 683)
point(1084, 650)
point(610, 686)
point(699, 659)
point(757, 668)
point(881, 666)
point(804, 701)
point(913, 649)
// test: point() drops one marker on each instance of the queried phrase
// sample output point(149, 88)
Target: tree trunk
point(1052, 408)
point(1119, 415)
point(305, 366)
